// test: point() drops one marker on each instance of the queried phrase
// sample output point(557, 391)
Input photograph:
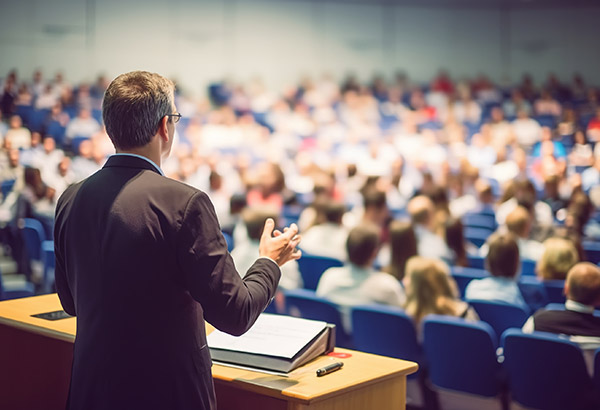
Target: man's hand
point(279, 246)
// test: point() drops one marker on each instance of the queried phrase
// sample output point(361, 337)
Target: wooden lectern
point(36, 356)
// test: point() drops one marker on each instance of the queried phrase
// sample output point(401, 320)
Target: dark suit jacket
point(141, 262)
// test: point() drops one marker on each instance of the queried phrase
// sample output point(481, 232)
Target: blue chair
point(500, 316)
point(592, 251)
point(527, 267)
point(7, 186)
point(555, 290)
point(386, 331)
point(461, 356)
point(533, 291)
point(546, 371)
point(33, 236)
point(49, 261)
point(15, 290)
point(38, 117)
point(229, 240)
point(477, 236)
point(290, 215)
point(312, 267)
point(76, 142)
point(389, 331)
point(57, 131)
point(477, 220)
point(306, 304)
point(463, 276)
point(477, 262)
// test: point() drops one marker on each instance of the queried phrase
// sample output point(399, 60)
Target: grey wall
point(202, 40)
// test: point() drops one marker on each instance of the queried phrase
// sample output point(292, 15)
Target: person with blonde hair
point(559, 256)
point(431, 290)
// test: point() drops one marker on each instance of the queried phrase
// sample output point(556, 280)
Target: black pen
point(329, 369)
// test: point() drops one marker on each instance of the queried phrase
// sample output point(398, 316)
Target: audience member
point(519, 223)
point(329, 237)
point(559, 256)
point(17, 136)
point(429, 245)
point(503, 263)
point(82, 126)
point(402, 247)
point(577, 320)
point(357, 283)
point(431, 290)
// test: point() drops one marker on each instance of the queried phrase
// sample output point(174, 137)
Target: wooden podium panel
point(36, 356)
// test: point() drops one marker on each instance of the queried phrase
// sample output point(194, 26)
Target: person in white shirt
point(519, 222)
point(17, 136)
point(245, 253)
point(429, 245)
point(527, 130)
point(503, 262)
point(357, 283)
point(328, 238)
point(84, 125)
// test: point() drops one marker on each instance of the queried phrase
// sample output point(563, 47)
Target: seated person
point(328, 238)
point(577, 320)
point(503, 263)
point(357, 283)
point(402, 247)
point(559, 256)
point(429, 245)
point(243, 253)
point(519, 223)
point(431, 290)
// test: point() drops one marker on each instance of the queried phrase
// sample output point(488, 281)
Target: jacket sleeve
point(230, 303)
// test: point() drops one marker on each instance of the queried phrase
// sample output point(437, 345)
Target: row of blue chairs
point(461, 356)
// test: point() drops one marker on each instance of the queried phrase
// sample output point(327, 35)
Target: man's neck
point(145, 151)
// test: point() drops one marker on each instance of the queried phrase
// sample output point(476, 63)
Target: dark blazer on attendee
point(141, 262)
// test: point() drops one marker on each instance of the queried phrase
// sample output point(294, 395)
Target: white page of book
point(272, 335)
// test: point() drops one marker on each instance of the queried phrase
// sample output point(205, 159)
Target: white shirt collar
point(142, 157)
point(578, 307)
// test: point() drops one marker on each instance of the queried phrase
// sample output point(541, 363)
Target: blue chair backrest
point(463, 276)
point(312, 267)
point(306, 304)
point(76, 142)
point(33, 236)
point(477, 236)
point(476, 220)
point(7, 186)
point(592, 251)
point(545, 371)
point(554, 290)
point(527, 267)
point(461, 355)
point(49, 261)
point(386, 331)
point(477, 262)
point(533, 291)
point(500, 316)
point(229, 240)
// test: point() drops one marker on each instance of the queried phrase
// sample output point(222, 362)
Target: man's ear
point(163, 130)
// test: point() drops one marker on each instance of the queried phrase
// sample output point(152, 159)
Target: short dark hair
point(334, 211)
point(255, 218)
point(374, 198)
point(133, 105)
point(503, 255)
point(362, 243)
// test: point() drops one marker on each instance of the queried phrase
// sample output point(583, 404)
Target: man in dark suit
point(141, 262)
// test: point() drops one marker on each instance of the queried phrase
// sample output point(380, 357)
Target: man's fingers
point(276, 233)
point(268, 229)
point(290, 232)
